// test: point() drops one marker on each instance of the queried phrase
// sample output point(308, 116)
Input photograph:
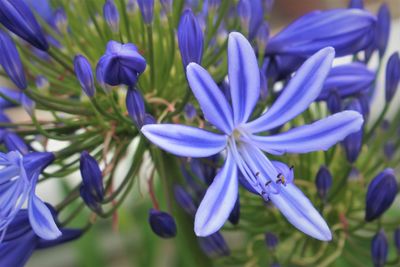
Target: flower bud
point(380, 195)
point(252, 16)
point(121, 64)
point(392, 76)
point(111, 15)
point(383, 29)
point(244, 12)
point(190, 112)
point(167, 6)
point(135, 107)
point(42, 83)
point(131, 7)
point(184, 200)
point(28, 104)
point(353, 142)
point(10, 60)
point(190, 38)
point(396, 239)
point(334, 102)
point(146, 9)
point(263, 85)
point(346, 30)
point(389, 149)
point(262, 36)
point(379, 249)
point(162, 223)
point(214, 246)
point(356, 4)
point(92, 189)
point(271, 240)
point(60, 20)
point(16, 16)
point(323, 182)
point(84, 74)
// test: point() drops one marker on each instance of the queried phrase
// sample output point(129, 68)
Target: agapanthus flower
point(84, 74)
point(147, 10)
point(111, 15)
point(19, 175)
point(17, 17)
point(383, 28)
point(20, 240)
point(323, 182)
point(243, 147)
point(252, 12)
point(121, 64)
point(392, 80)
point(162, 223)
point(353, 142)
point(379, 249)
point(347, 30)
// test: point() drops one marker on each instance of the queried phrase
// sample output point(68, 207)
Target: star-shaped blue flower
point(243, 146)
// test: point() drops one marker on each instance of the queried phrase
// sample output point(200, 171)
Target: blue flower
point(20, 240)
point(121, 64)
point(13, 142)
point(380, 195)
point(323, 182)
point(162, 223)
point(244, 147)
point(16, 16)
point(10, 61)
point(146, 9)
point(347, 30)
point(83, 72)
point(383, 29)
point(392, 76)
point(19, 176)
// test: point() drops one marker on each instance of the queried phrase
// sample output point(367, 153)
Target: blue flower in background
point(244, 147)
point(19, 175)
point(20, 240)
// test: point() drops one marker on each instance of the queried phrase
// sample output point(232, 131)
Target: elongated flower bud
point(323, 182)
point(121, 64)
point(396, 239)
point(262, 36)
point(84, 74)
point(135, 107)
point(60, 20)
point(190, 38)
point(28, 104)
point(162, 223)
point(347, 30)
point(214, 246)
point(251, 15)
point(379, 249)
point(92, 189)
point(356, 4)
point(271, 240)
point(146, 9)
point(111, 15)
point(353, 142)
point(16, 16)
point(392, 76)
point(10, 60)
point(389, 149)
point(184, 200)
point(383, 29)
point(334, 102)
point(348, 80)
point(380, 195)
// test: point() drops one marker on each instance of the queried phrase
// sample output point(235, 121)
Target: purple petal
point(212, 101)
point(301, 91)
point(184, 140)
point(244, 79)
point(300, 212)
point(218, 201)
point(319, 135)
point(41, 220)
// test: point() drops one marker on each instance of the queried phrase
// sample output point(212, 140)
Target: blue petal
point(300, 212)
point(218, 201)
point(184, 140)
point(244, 78)
point(301, 91)
point(41, 219)
point(212, 101)
point(320, 135)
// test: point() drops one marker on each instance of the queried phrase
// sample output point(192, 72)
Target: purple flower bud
point(244, 12)
point(380, 195)
point(111, 15)
point(60, 20)
point(121, 64)
point(92, 189)
point(16, 16)
point(28, 104)
point(323, 182)
point(214, 246)
point(162, 223)
point(13, 142)
point(271, 240)
point(235, 213)
point(184, 200)
point(392, 76)
point(251, 15)
point(190, 112)
point(334, 102)
point(190, 38)
point(263, 85)
point(383, 29)
point(347, 80)
point(262, 35)
point(379, 249)
point(84, 74)
point(131, 7)
point(146, 9)
point(396, 237)
point(356, 4)
point(135, 107)
point(389, 149)
point(10, 60)
point(353, 142)
point(42, 83)
point(166, 5)
point(346, 30)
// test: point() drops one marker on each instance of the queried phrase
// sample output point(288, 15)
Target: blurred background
point(126, 240)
